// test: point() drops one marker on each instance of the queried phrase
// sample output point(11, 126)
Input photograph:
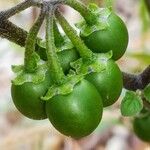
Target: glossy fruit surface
point(78, 113)
point(141, 128)
point(65, 57)
point(26, 98)
point(108, 82)
point(114, 37)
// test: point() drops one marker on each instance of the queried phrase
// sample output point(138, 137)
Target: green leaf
point(147, 93)
point(131, 104)
point(102, 21)
point(66, 88)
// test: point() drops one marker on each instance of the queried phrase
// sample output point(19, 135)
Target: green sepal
point(63, 89)
point(22, 76)
point(131, 104)
point(41, 43)
point(97, 64)
point(34, 61)
point(17, 69)
point(93, 8)
point(67, 44)
point(101, 14)
point(147, 93)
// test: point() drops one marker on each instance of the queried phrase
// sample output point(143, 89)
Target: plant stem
point(18, 8)
point(57, 35)
point(13, 33)
point(134, 82)
point(83, 10)
point(84, 52)
point(55, 68)
point(30, 62)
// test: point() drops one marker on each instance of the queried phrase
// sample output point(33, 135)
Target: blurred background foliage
point(115, 132)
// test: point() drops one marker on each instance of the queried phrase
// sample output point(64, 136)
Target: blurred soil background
point(115, 132)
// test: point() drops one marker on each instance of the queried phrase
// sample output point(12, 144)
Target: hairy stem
point(17, 35)
point(135, 82)
point(30, 63)
point(18, 8)
point(84, 52)
point(83, 10)
point(53, 61)
point(57, 35)
point(13, 33)
point(10, 31)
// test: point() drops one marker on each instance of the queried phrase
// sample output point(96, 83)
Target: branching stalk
point(18, 8)
point(83, 10)
point(135, 82)
point(17, 35)
point(13, 33)
point(84, 52)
